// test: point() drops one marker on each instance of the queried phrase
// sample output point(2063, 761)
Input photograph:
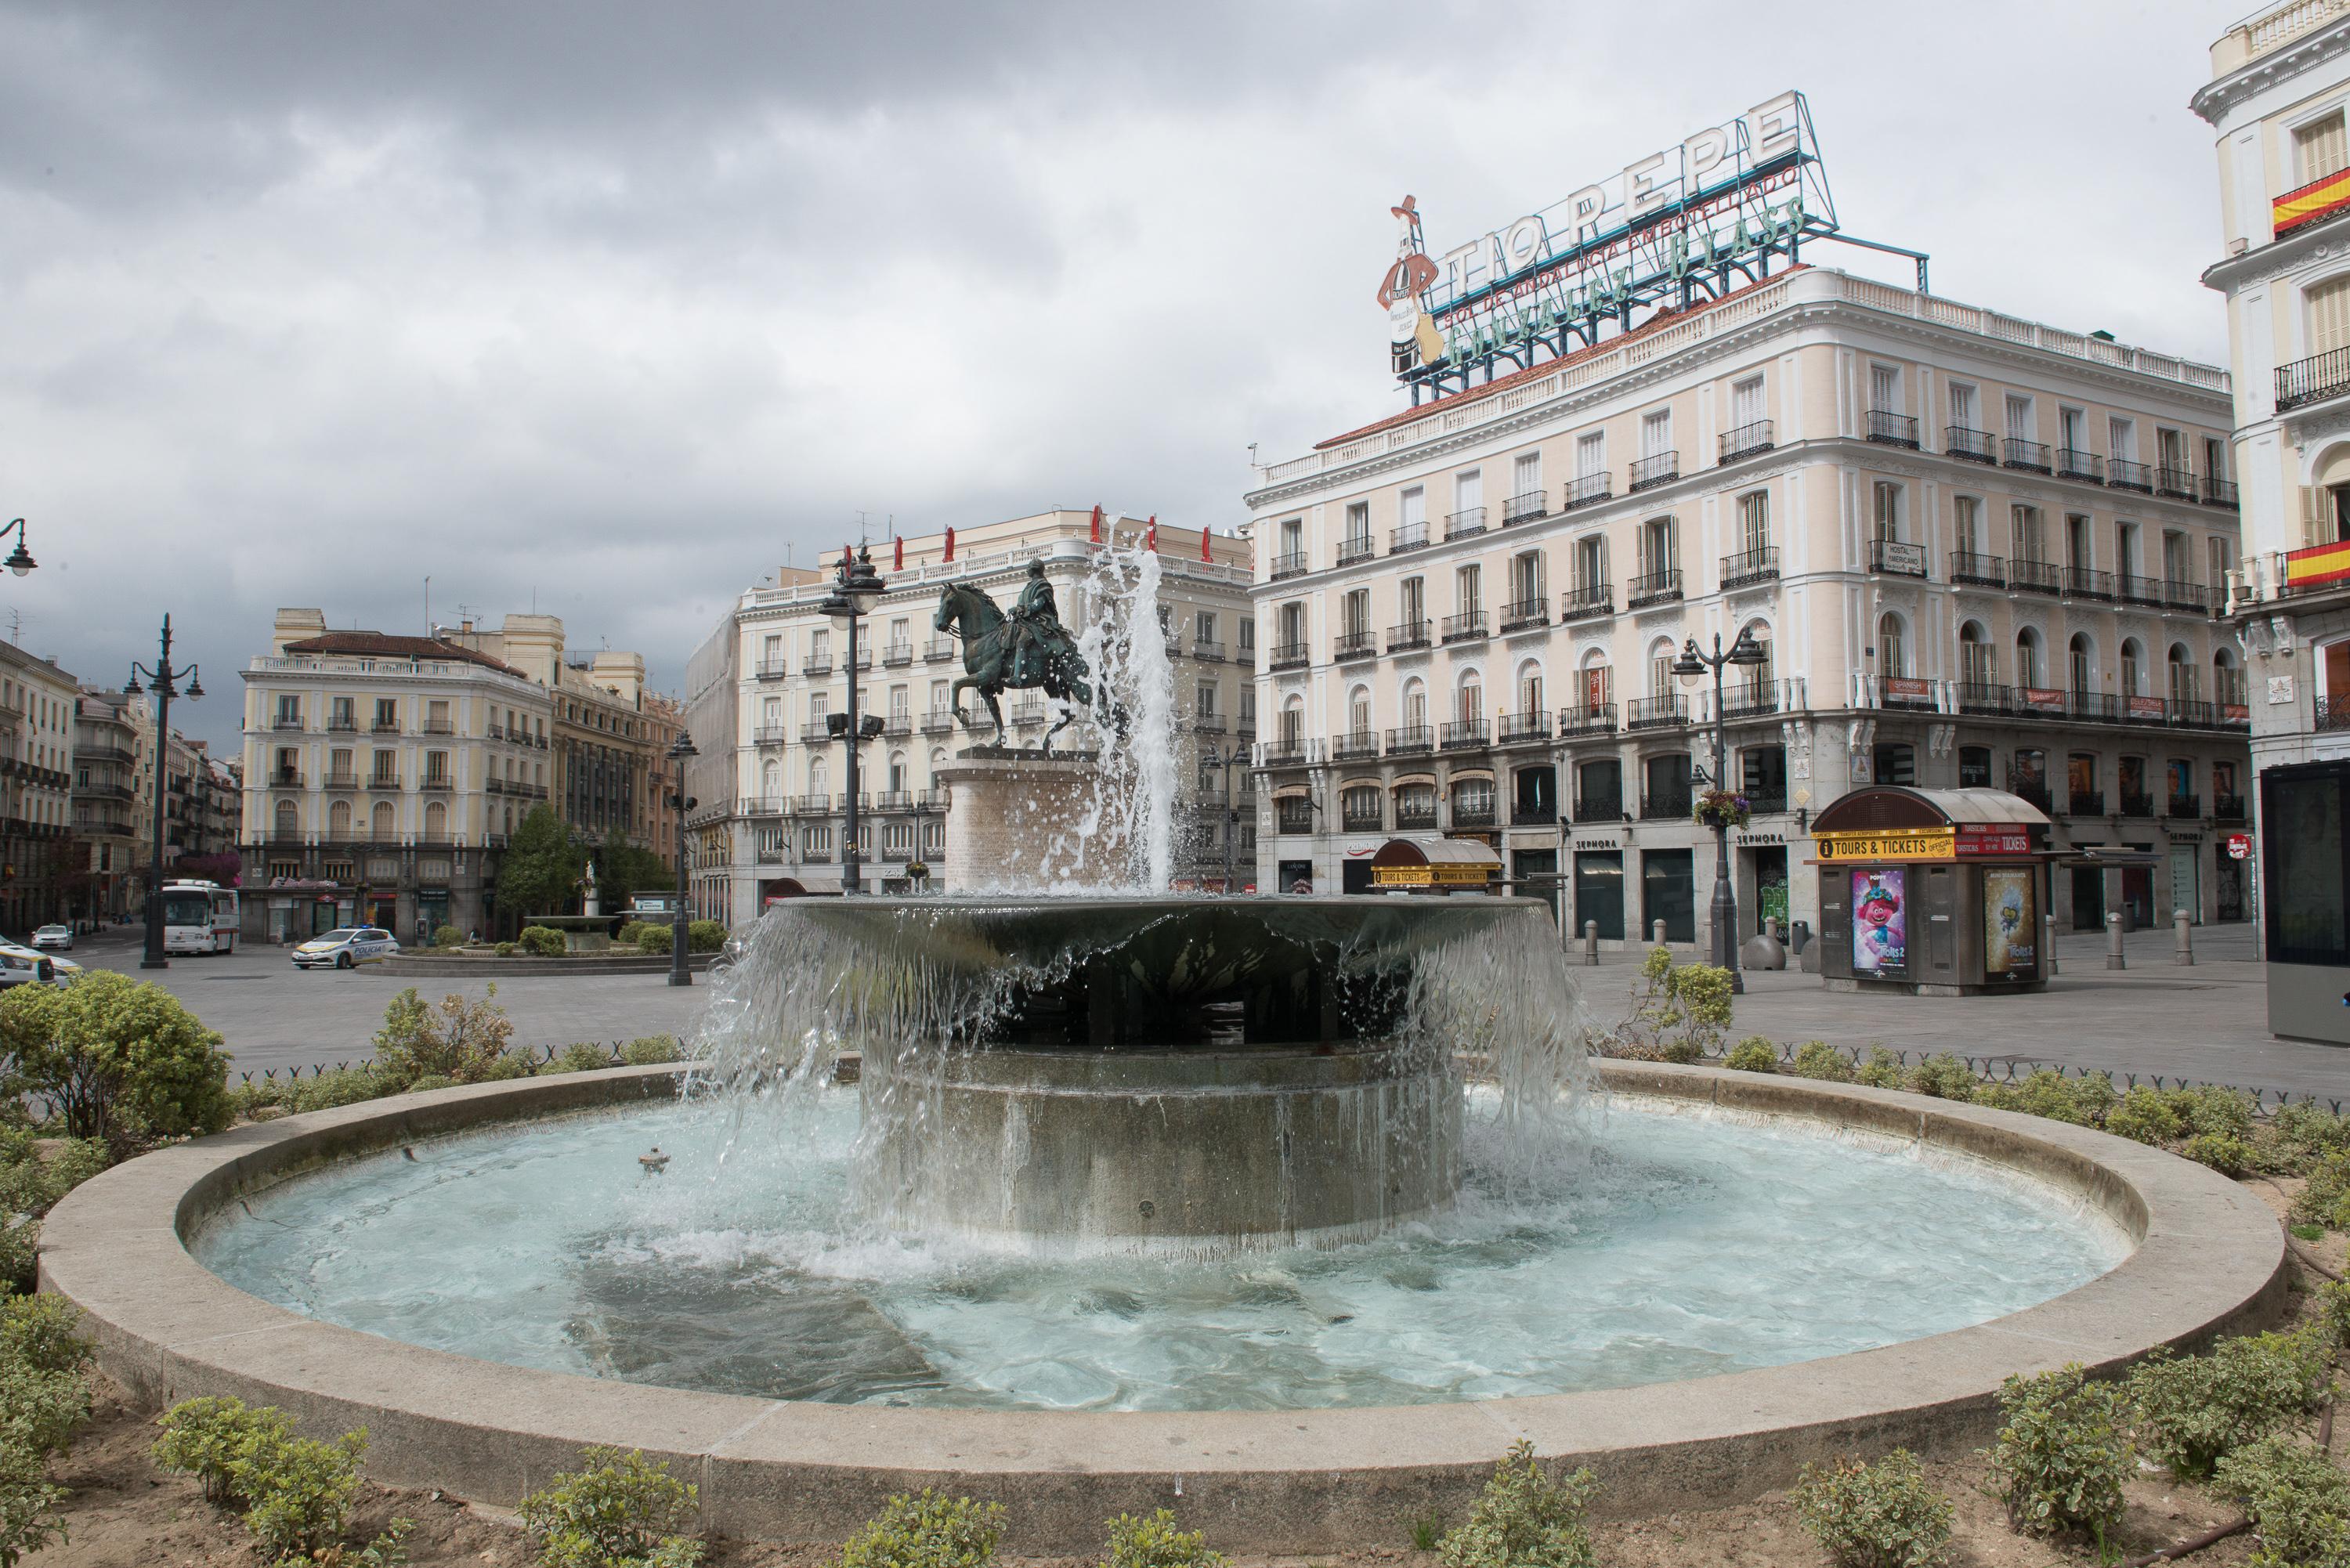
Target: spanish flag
point(2318, 564)
point(2318, 199)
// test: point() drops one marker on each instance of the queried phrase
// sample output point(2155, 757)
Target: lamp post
point(20, 560)
point(1223, 762)
point(1691, 667)
point(855, 587)
point(680, 751)
point(165, 677)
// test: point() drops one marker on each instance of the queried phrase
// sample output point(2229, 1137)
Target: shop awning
point(1434, 862)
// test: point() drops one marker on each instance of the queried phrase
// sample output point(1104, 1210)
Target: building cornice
point(2317, 243)
point(2216, 100)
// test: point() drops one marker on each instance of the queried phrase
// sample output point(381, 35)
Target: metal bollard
point(1657, 932)
point(2048, 940)
point(2184, 928)
point(1591, 943)
point(2113, 959)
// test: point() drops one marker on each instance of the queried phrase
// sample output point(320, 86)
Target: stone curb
point(2209, 1258)
point(500, 968)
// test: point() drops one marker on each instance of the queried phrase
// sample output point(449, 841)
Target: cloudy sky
point(614, 304)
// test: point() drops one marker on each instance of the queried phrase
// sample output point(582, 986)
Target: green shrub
point(505, 950)
point(2061, 1454)
point(1155, 1543)
point(655, 938)
point(448, 937)
point(506, 1066)
point(2216, 1112)
point(2194, 1411)
point(2326, 1199)
point(618, 1510)
point(629, 932)
point(208, 1437)
point(457, 1040)
point(120, 1059)
point(1526, 1520)
point(1944, 1077)
point(1752, 1054)
point(432, 1080)
point(710, 937)
point(1881, 1071)
point(651, 1050)
point(1818, 1059)
point(298, 1492)
point(541, 942)
point(28, 1503)
point(2083, 1101)
point(2147, 1116)
point(926, 1532)
point(2297, 1499)
point(1679, 1013)
point(2330, 1309)
point(38, 1332)
point(581, 1057)
point(2307, 1133)
point(1874, 1516)
point(2223, 1152)
point(42, 1408)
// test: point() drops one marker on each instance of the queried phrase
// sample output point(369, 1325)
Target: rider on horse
point(1038, 638)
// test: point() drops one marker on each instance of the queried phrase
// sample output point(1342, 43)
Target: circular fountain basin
point(2202, 1256)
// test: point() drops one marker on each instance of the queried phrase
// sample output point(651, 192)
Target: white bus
point(199, 917)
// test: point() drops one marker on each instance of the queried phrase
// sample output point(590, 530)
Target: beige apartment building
point(112, 803)
point(770, 777)
point(37, 812)
point(2276, 103)
point(382, 774)
point(1979, 551)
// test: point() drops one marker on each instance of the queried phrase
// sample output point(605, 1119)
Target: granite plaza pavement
point(2203, 1023)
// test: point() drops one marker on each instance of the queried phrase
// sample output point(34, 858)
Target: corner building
point(1980, 551)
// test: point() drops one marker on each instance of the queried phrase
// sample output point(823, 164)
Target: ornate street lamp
point(680, 926)
point(165, 678)
point(855, 587)
point(1691, 667)
point(20, 560)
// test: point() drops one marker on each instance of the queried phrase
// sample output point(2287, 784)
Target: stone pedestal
point(1026, 821)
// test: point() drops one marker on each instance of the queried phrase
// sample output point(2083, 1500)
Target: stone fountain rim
point(2209, 1258)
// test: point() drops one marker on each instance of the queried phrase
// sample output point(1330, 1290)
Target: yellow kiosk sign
point(1892, 844)
point(1442, 874)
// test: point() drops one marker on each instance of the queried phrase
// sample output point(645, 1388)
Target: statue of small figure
point(591, 906)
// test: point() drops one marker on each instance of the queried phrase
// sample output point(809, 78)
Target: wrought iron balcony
point(343, 723)
point(2133, 589)
point(1411, 739)
point(1586, 601)
point(938, 650)
point(286, 778)
point(2228, 808)
point(2313, 380)
point(1465, 523)
point(1752, 566)
point(893, 800)
point(1407, 536)
point(2074, 463)
point(2332, 713)
point(2087, 583)
point(2183, 805)
point(1358, 644)
point(1746, 439)
point(1519, 728)
point(1291, 656)
point(1411, 634)
point(820, 664)
point(2086, 803)
point(286, 721)
point(1891, 428)
point(344, 780)
point(897, 655)
point(1653, 589)
point(2181, 594)
point(2175, 483)
point(1666, 805)
point(938, 722)
point(1289, 564)
point(772, 668)
point(1479, 814)
point(2032, 456)
point(1520, 614)
point(1972, 445)
point(1745, 701)
point(1969, 569)
point(2032, 794)
point(2136, 806)
point(2219, 491)
point(1354, 745)
point(1899, 559)
point(2123, 474)
point(1466, 626)
point(1286, 752)
point(1656, 712)
point(1415, 814)
point(1661, 468)
point(1586, 490)
point(1599, 807)
point(1372, 820)
point(2035, 576)
point(2083, 704)
point(900, 722)
point(1526, 507)
point(1208, 650)
point(815, 732)
point(1466, 736)
point(1590, 719)
point(1357, 548)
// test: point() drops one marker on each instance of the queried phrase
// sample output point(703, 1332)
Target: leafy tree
point(539, 872)
point(623, 869)
point(121, 1059)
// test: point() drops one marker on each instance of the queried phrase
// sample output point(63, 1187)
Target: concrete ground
point(2205, 1023)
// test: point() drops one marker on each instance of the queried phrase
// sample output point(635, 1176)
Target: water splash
point(1133, 722)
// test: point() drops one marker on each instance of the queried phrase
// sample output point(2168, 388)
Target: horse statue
point(1027, 648)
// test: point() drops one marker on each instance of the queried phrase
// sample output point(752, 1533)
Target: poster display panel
point(1880, 922)
point(2011, 924)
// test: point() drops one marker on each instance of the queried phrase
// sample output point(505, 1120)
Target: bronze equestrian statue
point(1028, 648)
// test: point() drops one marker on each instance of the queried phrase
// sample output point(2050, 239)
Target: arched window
point(2081, 663)
point(1976, 669)
point(1472, 802)
point(288, 822)
point(2227, 678)
point(1470, 701)
point(380, 830)
point(509, 819)
point(1593, 685)
point(1359, 710)
point(2182, 673)
point(436, 822)
point(338, 819)
point(1761, 679)
point(2028, 671)
point(1892, 646)
point(898, 784)
point(819, 781)
point(1660, 669)
point(1530, 686)
point(1415, 704)
point(771, 778)
point(1293, 721)
point(1362, 808)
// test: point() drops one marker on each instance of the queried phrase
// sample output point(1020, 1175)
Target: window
point(1590, 454)
point(387, 713)
point(1526, 580)
point(2126, 555)
point(1413, 600)
point(1754, 520)
point(2329, 314)
point(1293, 628)
point(2217, 549)
point(1248, 634)
point(2072, 430)
point(1591, 563)
point(1974, 767)
point(2182, 672)
point(1465, 589)
point(819, 704)
point(2171, 450)
point(1469, 491)
point(2027, 658)
point(1885, 388)
point(1415, 706)
point(2123, 435)
point(2320, 149)
point(338, 714)
point(2081, 663)
point(1530, 688)
point(386, 767)
point(1358, 539)
point(2133, 667)
point(2077, 541)
point(1525, 474)
point(1293, 535)
point(2025, 543)
point(2019, 418)
point(1962, 405)
point(1884, 510)
point(1206, 707)
point(1659, 549)
point(2215, 457)
point(1470, 700)
point(1359, 710)
point(820, 646)
point(1656, 433)
point(1892, 647)
point(1966, 524)
point(436, 767)
point(289, 712)
point(2178, 556)
point(1411, 509)
point(1976, 667)
point(1745, 403)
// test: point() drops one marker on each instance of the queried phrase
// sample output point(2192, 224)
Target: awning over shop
point(1892, 822)
point(1434, 862)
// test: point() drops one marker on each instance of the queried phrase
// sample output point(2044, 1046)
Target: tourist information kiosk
point(1435, 865)
point(1938, 892)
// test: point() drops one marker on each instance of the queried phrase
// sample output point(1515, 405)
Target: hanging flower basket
point(1723, 808)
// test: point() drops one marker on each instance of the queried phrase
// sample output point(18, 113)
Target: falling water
point(1133, 780)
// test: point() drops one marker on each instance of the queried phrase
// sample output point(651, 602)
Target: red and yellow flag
point(2311, 202)
point(2318, 564)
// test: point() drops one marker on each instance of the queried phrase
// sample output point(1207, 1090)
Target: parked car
point(59, 970)
point(23, 966)
point(54, 938)
point(346, 946)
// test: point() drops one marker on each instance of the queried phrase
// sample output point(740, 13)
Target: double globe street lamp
point(165, 677)
point(855, 589)
point(1691, 667)
point(680, 752)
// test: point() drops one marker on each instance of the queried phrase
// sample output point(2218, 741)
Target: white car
point(346, 946)
point(54, 938)
point(45, 966)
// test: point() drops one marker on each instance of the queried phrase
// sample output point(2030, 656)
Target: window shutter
point(2329, 315)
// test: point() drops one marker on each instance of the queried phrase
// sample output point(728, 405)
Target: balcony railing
point(1656, 712)
point(2228, 808)
point(1354, 745)
point(286, 721)
point(1472, 814)
point(1353, 645)
point(1599, 807)
point(2185, 596)
point(2088, 583)
point(2123, 474)
point(1518, 728)
point(1289, 564)
point(1526, 507)
point(384, 727)
point(384, 782)
point(2032, 794)
point(1974, 445)
point(938, 650)
point(1894, 556)
point(2313, 380)
point(773, 668)
point(2029, 455)
point(2133, 589)
point(2074, 463)
point(811, 804)
point(815, 732)
point(2086, 803)
point(1208, 650)
point(1653, 589)
point(1465, 523)
point(2136, 806)
point(291, 778)
point(900, 722)
point(1666, 806)
point(2332, 713)
point(2035, 576)
point(938, 722)
point(2183, 805)
point(1285, 752)
point(1661, 468)
point(1410, 635)
point(1586, 600)
point(1978, 571)
point(2176, 482)
point(1586, 490)
point(1291, 656)
point(341, 724)
point(1465, 627)
point(894, 800)
point(1519, 614)
point(1745, 701)
point(1411, 739)
point(2219, 491)
point(1415, 814)
point(2083, 704)
point(1372, 820)
point(1532, 814)
point(1356, 549)
point(1590, 719)
point(1746, 439)
point(1892, 429)
point(819, 665)
point(897, 655)
point(1752, 566)
point(1407, 536)
point(1466, 736)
